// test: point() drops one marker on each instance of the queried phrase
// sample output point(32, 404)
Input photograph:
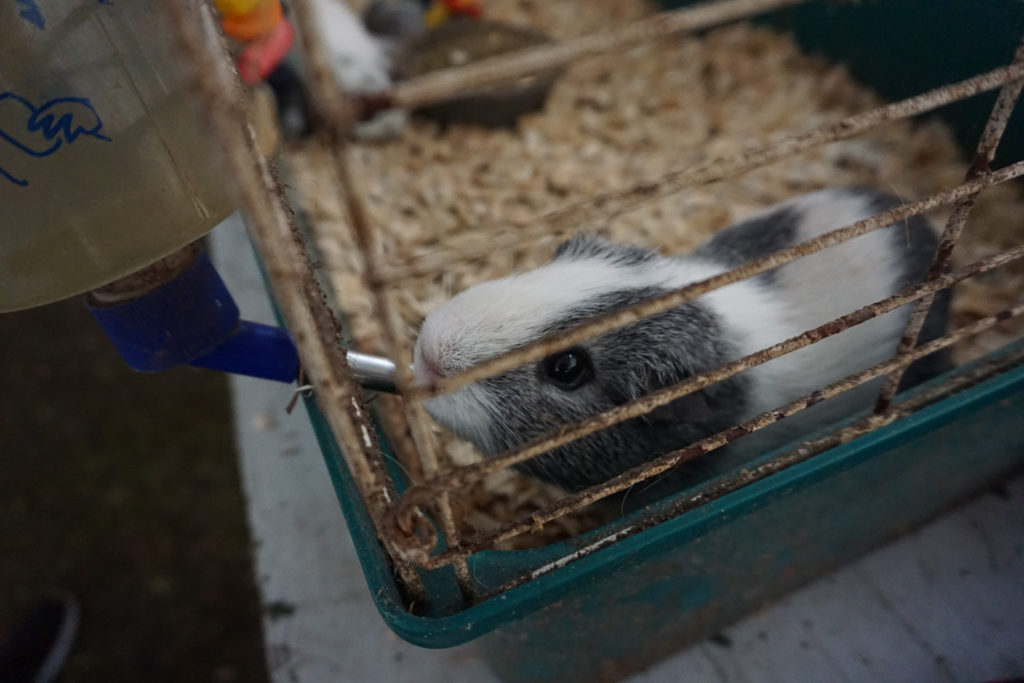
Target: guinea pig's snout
point(425, 371)
point(440, 350)
point(425, 366)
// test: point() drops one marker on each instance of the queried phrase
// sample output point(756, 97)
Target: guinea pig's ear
point(588, 246)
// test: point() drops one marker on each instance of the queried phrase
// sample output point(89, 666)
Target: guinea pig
point(589, 276)
point(361, 62)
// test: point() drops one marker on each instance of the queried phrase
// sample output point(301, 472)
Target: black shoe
point(35, 650)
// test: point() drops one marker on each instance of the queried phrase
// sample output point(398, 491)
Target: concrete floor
point(943, 604)
point(123, 489)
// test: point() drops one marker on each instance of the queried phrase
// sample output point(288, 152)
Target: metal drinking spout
point(372, 372)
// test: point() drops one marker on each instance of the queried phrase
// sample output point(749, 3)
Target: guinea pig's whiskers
point(643, 487)
point(902, 202)
point(448, 284)
point(405, 471)
point(625, 496)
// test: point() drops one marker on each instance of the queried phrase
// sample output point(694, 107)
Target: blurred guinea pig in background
point(589, 276)
point(362, 50)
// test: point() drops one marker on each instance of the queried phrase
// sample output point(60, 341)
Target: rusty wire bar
point(574, 501)
point(424, 493)
point(985, 153)
point(748, 475)
point(332, 236)
point(448, 83)
point(588, 330)
point(329, 103)
point(604, 207)
point(273, 230)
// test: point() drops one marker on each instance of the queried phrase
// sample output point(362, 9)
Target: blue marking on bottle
point(57, 121)
point(31, 13)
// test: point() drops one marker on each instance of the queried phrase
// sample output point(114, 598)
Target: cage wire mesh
point(383, 288)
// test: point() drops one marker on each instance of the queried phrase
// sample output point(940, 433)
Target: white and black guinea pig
point(361, 61)
point(589, 276)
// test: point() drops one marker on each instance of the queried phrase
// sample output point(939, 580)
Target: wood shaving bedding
point(611, 122)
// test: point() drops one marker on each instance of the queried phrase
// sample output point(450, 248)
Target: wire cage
point(709, 553)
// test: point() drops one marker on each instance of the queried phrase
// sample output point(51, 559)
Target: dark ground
point(123, 487)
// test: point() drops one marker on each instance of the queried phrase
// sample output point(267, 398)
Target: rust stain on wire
point(543, 347)
point(986, 151)
point(603, 207)
point(663, 463)
point(449, 83)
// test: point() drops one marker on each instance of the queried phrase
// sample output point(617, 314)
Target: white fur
point(494, 317)
point(360, 62)
point(470, 411)
point(807, 293)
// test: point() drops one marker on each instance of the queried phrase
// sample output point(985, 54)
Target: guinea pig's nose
point(425, 369)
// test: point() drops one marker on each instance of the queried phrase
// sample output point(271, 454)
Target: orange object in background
point(259, 59)
point(249, 20)
point(264, 34)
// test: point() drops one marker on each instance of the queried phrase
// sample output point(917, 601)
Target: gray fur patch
point(628, 363)
point(752, 239)
point(394, 18)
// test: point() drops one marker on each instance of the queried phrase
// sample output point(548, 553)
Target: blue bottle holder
point(192, 320)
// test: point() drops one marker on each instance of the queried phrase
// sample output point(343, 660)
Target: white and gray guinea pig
point(361, 51)
point(589, 276)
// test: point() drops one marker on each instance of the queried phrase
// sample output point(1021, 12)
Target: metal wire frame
point(422, 494)
point(643, 405)
point(273, 231)
point(725, 485)
point(986, 152)
point(337, 115)
point(402, 524)
point(336, 119)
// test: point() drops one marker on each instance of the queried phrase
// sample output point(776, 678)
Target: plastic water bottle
point(105, 165)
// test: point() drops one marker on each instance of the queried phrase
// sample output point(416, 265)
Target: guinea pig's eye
point(569, 369)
